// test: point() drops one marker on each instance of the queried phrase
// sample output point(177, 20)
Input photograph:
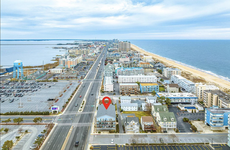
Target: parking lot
point(38, 100)
point(153, 147)
point(185, 126)
point(27, 140)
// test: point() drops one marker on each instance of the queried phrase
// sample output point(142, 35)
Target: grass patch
point(138, 114)
point(161, 88)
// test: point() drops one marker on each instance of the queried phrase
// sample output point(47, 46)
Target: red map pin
point(106, 105)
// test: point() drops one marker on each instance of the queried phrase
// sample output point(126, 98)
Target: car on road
point(76, 105)
point(112, 141)
point(92, 94)
point(80, 96)
point(33, 146)
point(76, 143)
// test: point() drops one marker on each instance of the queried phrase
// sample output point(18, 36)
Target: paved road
point(71, 117)
point(81, 133)
point(154, 138)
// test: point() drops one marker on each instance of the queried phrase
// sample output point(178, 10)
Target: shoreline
point(221, 83)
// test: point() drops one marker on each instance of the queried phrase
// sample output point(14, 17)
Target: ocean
point(210, 56)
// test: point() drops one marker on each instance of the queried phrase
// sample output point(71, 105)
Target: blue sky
point(122, 19)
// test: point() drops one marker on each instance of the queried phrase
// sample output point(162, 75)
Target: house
point(158, 109)
point(217, 118)
point(159, 66)
point(132, 125)
point(200, 87)
point(172, 88)
point(183, 98)
point(166, 120)
point(149, 87)
point(191, 108)
point(106, 118)
point(129, 106)
point(168, 72)
point(129, 88)
point(125, 99)
point(147, 123)
point(185, 84)
point(151, 99)
point(137, 78)
point(108, 84)
point(124, 59)
point(216, 98)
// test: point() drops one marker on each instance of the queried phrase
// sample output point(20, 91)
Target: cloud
point(123, 18)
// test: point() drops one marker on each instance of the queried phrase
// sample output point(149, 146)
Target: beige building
point(200, 87)
point(216, 98)
point(172, 88)
point(124, 46)
point(129, 88)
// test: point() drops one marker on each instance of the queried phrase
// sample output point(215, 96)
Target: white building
point(168, 72)
point(200, 87)
point(187, 98)
point(124, 46)
point(125, 99)
point(166, 120)
point(129, 106)
point(138, 78)
point(151, 99)
point(185, 84)
point(147, 123)
point(132, 125)
point(108, 84)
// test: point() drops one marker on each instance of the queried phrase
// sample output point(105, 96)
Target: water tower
point(17, 66)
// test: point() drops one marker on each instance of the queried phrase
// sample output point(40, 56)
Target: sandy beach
point(209, 78)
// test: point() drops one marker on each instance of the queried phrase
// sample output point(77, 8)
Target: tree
point(18, 120)
point(7, 145)
point(17, 137)
point(162, 80)
point(6, 121)
point(185, 119)
point(26, 131)
point(6, 130)
point(2, 129)
point(153, 93)
point(138, 83)
point(37, 119)
point(161, 99)
point(168, 101)
point(159, 70)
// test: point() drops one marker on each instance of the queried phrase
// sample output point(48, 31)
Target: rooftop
point(148, 84)
point(167, 117)
point(125, 97)
point(147, 118)
point(223, 96)
point(129, 104)
point(219, 110)
point(173, 85)
point(109, 112)
point(128, 84)
point(177, 94)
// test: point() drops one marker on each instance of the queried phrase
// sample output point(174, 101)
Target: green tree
point(7, 120)
point(161, 99)
point(138, 83)
point(7, 145)
point(159, 70)
point(6, 130)
point(18, 120)
point(26, 131)
point(2, 129)
point(168, 101)
point(162, 80)
point(35, 120)
point(154, 93)
point(17, 137)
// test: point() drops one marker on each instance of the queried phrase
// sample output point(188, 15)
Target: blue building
point(217, 117)
point(149, 87)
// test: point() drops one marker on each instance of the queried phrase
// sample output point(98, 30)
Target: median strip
point(67, 138)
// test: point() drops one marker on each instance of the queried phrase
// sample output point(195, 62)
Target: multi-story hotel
point(129, 71)
point(185, 84)
point(70, 61)
point(168, 72)
point(124, 46)
point(180, 98)
point(217, 118)
point(216, 98)
point(200, 87)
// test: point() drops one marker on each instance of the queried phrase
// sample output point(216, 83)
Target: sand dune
point(209, 78)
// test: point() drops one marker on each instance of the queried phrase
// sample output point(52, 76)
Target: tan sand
point(209, 78)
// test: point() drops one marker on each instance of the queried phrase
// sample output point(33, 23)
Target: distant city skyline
point(120, 19)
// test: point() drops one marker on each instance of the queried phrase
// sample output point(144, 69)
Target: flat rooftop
point(177, 94)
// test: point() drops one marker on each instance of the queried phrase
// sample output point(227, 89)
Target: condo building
point(137, 78)
point(216, 98)
point(185, 84)
point(200, 87)
point(168, 72)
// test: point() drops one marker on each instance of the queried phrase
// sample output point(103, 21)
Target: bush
point(99, 131)
point(26, 113)
point(26, 131)
point(198, 119)
point(185, 119)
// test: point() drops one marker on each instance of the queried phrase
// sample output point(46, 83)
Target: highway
point(78, 120)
